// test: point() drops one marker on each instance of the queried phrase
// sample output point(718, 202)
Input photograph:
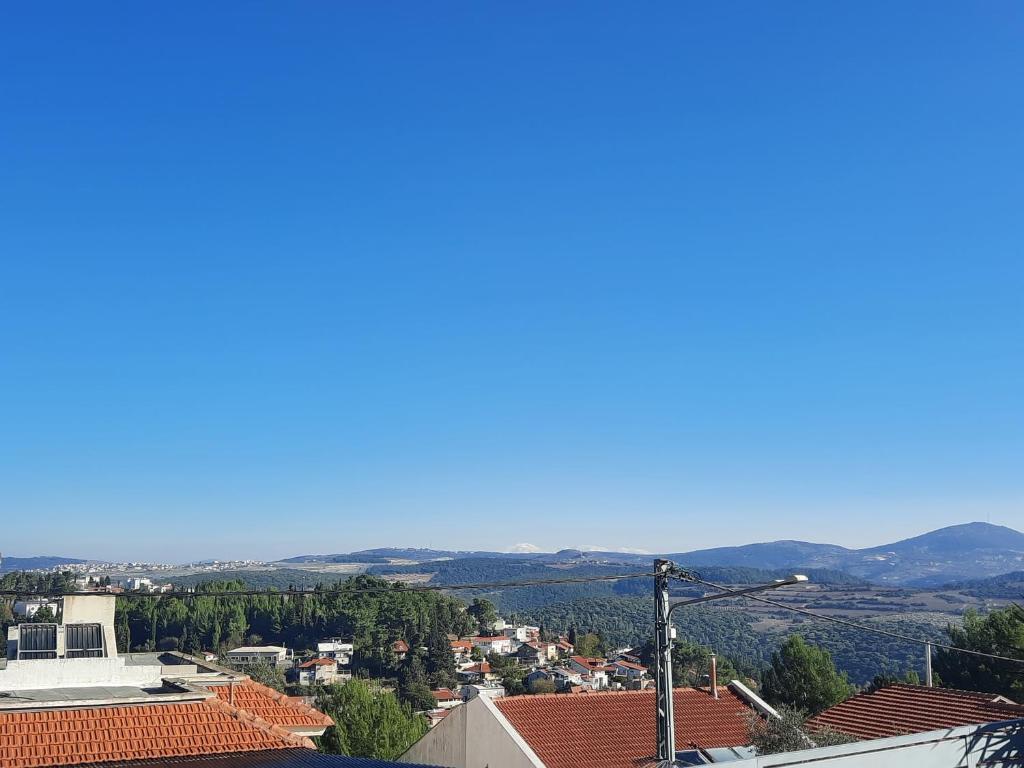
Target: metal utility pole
point(928, 664)
point(663, 636)
point(663, 661)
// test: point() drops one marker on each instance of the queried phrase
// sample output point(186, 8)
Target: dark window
point(37, 641)
point(83, 641)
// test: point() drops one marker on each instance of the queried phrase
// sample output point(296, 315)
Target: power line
point(863, 627)
point(399, 587)
point(390, 587)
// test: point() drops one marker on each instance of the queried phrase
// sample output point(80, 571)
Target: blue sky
point(287, 278)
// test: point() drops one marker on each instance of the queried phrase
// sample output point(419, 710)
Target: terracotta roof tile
point(103, 734)
point(901, 709)
point(272, 706)
point(320, 662)
point(617, 729)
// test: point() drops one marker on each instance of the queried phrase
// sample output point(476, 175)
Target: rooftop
point(618, 728)
point(61, 737)
point(901, 709)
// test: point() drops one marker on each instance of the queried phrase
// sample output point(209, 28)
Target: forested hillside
point(629, 621)
point(280, 578)
point(373, 619)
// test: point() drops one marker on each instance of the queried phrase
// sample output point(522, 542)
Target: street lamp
point(663, 633)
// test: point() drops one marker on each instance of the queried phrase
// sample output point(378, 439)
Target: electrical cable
point(390, 587)
point(855, 625)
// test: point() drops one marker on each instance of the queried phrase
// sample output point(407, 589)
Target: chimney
point(714, 676)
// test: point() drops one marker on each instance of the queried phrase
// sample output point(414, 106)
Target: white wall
point(76, 673)
point(996, 745)
point(475, 735)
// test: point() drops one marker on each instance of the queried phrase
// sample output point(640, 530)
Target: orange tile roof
point(321, 662)
point(62, 737)
point(445, 694)
point(617, 729)
point(274, 707)
point(900, 709)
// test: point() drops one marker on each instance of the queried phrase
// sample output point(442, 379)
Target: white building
point(485, 690)
point(493, 644)
point(337, 649)
point(26, 609)
point(274, 655)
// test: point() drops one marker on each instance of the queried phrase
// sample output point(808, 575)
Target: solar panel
point(37, 641)
point(83, 641)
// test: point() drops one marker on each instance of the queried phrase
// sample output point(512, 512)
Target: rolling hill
point(955, 553)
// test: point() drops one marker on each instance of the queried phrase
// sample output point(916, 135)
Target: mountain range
point(952, 554)
point(955, 554)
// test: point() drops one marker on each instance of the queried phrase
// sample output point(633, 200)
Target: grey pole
point(663, 663)
point(928, 664)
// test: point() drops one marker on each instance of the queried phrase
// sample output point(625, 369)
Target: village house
point(627, 669)
point(493, 644)
point(321, 670)
point(523, 633)
point(536, 653)
point(274, 655)
point(337, 649)
point(564, 678)
point(477, 672)
point(596, 671)
point(446, 698)
point(461, 649)
point(68, 698)
point(604, 730)
point(401, 649)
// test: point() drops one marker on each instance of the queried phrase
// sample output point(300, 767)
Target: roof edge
point(751, 698)
point(510, 730)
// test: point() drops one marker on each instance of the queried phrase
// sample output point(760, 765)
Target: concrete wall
point(997, 745)
point(93, 609)
point(475, 735)
point(76, 673)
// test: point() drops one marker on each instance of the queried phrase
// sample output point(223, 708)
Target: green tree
point(878, 682)
point(803, 677)
point(267, 674)
point(589, 645)
point(483, 612)
point(542, 685)
point(787, 733)
point(367, 722)
point(414, 689)
point(691, 664)
point(1000, 633)
point(440, 659)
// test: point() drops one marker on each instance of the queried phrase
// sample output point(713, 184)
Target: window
point(83, 641)
point(37, 641)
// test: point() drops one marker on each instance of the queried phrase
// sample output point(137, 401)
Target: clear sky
point(281, 278)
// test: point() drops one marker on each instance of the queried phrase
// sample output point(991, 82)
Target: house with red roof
point(477, 672)
point(461, 649)
point(322, 670)
point(595, 671)
point(400, 648)
point(627, 669)
point(67, 698)
point(901, 709)
point(612, 729)
point(446, 698)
